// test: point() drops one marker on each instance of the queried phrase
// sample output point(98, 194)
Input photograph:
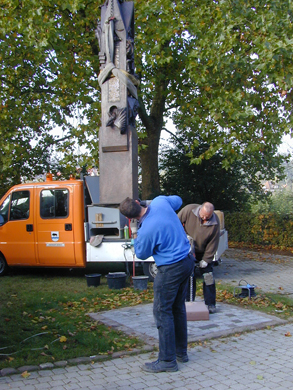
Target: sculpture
point(108, 34)
point(119, 102)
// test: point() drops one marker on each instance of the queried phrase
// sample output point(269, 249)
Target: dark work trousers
point(170, 288)
point(209, 286)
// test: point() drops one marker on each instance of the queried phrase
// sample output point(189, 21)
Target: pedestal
point(197, 311)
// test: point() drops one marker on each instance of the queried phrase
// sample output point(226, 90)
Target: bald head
point(206, 211)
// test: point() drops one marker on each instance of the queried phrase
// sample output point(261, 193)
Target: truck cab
point(63, 224)
point(41, 224)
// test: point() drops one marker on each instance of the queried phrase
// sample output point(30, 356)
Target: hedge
point(270, 230)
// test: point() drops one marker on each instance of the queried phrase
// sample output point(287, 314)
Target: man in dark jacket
point(161, 235)
point(203, 226)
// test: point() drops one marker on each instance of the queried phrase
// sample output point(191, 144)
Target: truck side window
point(19, 208)
point(4, 208)
point(54, 203)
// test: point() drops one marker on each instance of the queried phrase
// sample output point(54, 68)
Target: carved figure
point(118, 118)
point(132, 110)
point(116, 28)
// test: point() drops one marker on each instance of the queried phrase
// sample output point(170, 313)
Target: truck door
point(17, 234)
point(55, 242)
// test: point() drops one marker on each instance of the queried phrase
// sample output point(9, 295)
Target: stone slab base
point(197, 311)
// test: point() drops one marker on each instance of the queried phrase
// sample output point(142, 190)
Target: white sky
point(287, 145)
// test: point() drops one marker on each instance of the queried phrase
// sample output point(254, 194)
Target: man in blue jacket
point(161, 235)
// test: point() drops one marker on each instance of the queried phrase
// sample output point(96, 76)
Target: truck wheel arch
point(3, 265)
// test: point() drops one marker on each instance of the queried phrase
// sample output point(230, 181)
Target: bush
point(270, 230)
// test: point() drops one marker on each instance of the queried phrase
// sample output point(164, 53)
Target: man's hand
point(133, 227)
point(203, 264)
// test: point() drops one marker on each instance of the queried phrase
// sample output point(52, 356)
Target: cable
point(32, 349)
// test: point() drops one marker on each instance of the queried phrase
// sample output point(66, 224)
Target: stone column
point(118, 147)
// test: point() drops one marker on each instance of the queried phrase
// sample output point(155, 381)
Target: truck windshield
point(4, 207)
point(54, 203)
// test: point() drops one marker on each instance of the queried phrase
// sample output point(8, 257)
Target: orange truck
point(62, 224)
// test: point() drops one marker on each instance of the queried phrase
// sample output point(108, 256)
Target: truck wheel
point(150, 270)
point(3, 266)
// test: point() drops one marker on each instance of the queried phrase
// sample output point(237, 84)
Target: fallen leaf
point(288, 334)
point(25, 374)
point(252, 362)
point(260, 377)
point(62, 339)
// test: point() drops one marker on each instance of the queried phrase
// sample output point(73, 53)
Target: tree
point(231, 189)
point(221, 70)
point(225, 70)
point(48, 68)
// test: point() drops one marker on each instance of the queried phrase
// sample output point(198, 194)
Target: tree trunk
point(149, 165)
point(153, 122)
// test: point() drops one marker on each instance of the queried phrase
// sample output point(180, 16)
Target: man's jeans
point(170, 288)
point(209, 285)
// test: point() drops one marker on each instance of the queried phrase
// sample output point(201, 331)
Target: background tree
point(48, 75)
point(222, 70)
point(233, 189)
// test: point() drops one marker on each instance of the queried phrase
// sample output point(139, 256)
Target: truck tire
point(3, 266)
point(150, 269)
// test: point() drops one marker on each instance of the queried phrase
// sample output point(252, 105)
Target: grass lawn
point(273, 304)
point(44, 317)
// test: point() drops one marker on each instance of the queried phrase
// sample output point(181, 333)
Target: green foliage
point(221, 70)
point(271, 230)
point(229, 189)
point(41, 320)
point(279, 202)
point(48, 86)
point(220, 74)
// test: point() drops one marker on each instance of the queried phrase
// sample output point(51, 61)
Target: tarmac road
point(237, 348)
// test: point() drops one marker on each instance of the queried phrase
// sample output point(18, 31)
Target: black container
point(140, 282)
point(116, 280)
point(93, 280)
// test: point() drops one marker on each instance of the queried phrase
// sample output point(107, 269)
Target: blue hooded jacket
point(160, 233)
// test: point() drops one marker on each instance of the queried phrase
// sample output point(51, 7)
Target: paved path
point(138, 321)
point(259, 359)
point(270, 273)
